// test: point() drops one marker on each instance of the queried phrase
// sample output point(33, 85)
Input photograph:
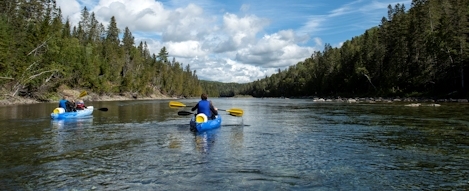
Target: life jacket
point(204, 107)
point(63, 103)
point(80, 106)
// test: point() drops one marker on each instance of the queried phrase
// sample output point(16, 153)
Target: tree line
point(39, 53)
point(422, 52)
point(419, 52)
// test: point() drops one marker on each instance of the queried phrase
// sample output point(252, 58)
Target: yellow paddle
point(176, 104)
point(233, 111)
point(82, 94)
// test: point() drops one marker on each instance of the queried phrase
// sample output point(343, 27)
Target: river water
point(279, 144)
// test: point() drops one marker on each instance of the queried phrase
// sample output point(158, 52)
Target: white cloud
point(243, 30)
point(278, 50)
point(227, 45)
point(230, 41)
point(232, 71)
point(68, 7)
point(187, 23)
point(186, 49)
point(70, 10)
point(141, 15)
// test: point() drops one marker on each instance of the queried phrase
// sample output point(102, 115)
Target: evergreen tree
point(163, 55)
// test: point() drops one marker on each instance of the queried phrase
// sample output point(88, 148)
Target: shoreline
point(18, 100)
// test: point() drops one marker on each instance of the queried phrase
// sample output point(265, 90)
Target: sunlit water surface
point(279, 144)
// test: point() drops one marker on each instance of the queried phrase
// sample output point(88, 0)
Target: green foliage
point(163, 55)
point(5, 53)
point(40, 53)
point(420, 52)
point(219, 89)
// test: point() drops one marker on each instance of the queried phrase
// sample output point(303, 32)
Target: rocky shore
point(74, 94)
point(412, 102)
point(389, 100)
point(90, 96)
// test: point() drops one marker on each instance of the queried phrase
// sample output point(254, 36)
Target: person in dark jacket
point(206, 107)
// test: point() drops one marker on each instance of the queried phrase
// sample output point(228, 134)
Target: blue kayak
point(205, 126)
point(59, 113)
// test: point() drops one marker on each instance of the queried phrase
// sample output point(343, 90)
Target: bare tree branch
point(44, 43)
point(36, 75)
point(369, 80)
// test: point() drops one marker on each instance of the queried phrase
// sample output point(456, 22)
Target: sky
point(236, 40)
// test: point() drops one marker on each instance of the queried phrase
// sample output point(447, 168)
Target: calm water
point(279, 144)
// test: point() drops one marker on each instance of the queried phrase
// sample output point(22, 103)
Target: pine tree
point(163, 55)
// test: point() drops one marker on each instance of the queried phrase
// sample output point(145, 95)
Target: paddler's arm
point(213, 109)
point(195, 107)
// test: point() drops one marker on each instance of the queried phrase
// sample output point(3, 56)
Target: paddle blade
point(235, 112)
point(236, 115)
point(103, 109)
point(176, 104)
point(184, 113)
point(83, 93)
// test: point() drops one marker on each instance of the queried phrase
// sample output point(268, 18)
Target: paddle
point(176, 104)
point(83, 94)
point(102, 109)
point(233, 111)
point(183, 113)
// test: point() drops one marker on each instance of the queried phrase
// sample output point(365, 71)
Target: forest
point(39, 54)
point(419, 52)
point(422, 52)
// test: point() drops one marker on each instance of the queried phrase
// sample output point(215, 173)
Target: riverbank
point(90, 96)
point(74, 94)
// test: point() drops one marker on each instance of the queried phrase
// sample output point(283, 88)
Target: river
point(279, 144)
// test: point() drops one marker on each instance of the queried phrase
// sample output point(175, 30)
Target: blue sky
point(237, 41)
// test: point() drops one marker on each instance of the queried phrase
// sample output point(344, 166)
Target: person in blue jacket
point(206, 107)
point(67, 105)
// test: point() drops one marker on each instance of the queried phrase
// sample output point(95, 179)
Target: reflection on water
point(288, 145)
point(70, 132)
point(77, 123)
point(204, 141)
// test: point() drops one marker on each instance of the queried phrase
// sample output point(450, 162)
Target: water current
point(278, 144)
